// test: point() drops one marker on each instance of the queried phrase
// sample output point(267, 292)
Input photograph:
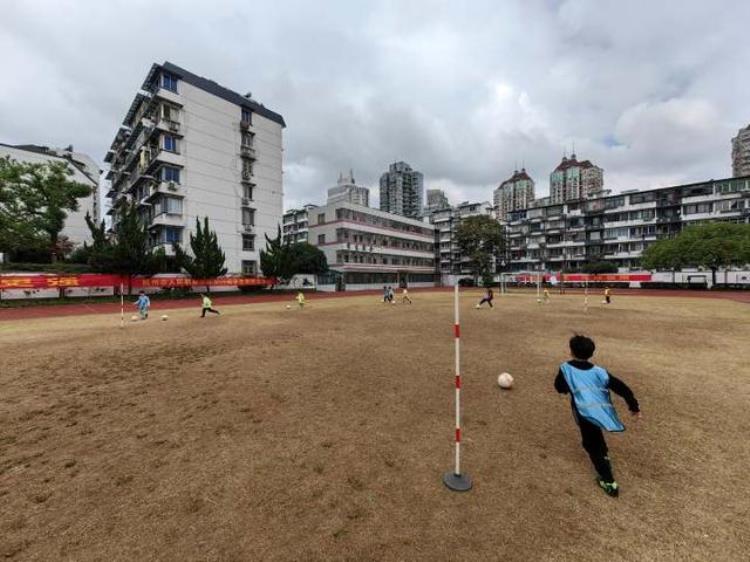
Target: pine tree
point(208, 259)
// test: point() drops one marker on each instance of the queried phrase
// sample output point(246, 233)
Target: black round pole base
point(457, 482)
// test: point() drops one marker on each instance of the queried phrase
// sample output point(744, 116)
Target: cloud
point(464, 92)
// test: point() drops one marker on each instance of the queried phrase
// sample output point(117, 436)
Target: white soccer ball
point(505, 381)
point(477, 306)
point(604, 302)
point(288, 307)
point(164, 317)
point(134, 318)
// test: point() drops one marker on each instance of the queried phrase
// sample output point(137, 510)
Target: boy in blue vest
point(589, 387)
point(143, 304)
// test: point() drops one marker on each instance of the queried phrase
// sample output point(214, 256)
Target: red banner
point(103, 280)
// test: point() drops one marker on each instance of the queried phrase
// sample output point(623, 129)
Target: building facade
point(189, 148)
point(517, 192)
point(618, 227)
point(85, 171)
point(294, 227)
point(436, 200)
point(446, 221)
point(347, 190)
point(573, 180)
point(367, 248)
point(402, 191)
point(741, 153)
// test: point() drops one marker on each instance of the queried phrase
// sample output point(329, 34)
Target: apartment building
point(446, 221)
point(741, 153)
point(572, 180)
point(367, 248)
point(517, 192)
point(436, 200)
point(347, 190)
point(189, 148)
point(618, 227)
point(85, 171)
point(294, 226)
point(402, 191)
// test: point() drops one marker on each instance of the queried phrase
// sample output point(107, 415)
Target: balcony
point(166, 188)
point(167, 219)
point(247, 176)
point(246, 125)
point(247, 228)
point(247, 152)
point(245, 201)
point(168, 125)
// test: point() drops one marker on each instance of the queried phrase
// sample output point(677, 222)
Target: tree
point(35, 199)
point(480, 238)
point(277, 259)
point(711, 245)
point(208, 258)
point(17, 230)
point(599, 267)
point(308, 259)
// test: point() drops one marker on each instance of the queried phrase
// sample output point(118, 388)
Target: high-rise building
point(85, 171)
point(573, 180)
point(446, 222)
point(347, 190)
point(401, 190)
point(436, 200)
point(517, 192)
point(741, 153)
point(189, 148)
point(294, 225)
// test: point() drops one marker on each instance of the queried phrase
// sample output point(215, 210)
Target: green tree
point(713, 245)
point(277, 259)
point(35, 199)
point(481, 239)
point(308, 259)
point(208, 258)
point(599, 267)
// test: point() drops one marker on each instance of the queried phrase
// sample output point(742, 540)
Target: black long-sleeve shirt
point(615, 385)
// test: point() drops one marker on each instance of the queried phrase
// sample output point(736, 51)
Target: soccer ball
point(505, 381)
point(288, 307)
point(164, 317)
point(604, 302)
point(477, 306)
point(134, 318)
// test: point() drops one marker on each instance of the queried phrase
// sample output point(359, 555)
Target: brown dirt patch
point(268, 434)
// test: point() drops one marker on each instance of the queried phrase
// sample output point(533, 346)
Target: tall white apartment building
point(367, 248)
point(741, 153)
point(402, 191)
point(189, 148)
point(85, 171)
point(517, 192)
point(347, 190)
point(573, 180)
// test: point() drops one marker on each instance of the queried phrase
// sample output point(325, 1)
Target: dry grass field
point(274, 434)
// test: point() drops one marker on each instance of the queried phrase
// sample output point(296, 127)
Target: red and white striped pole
point(122, 307)
point(454, 480)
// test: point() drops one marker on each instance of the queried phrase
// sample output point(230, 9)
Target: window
point(247, 115)
point(321, 239)
point(247, 192)
point(248, 242)
point(697, 208)
point(173, 235)
point(169, 81)
point(169, 113)
point(170, 143)
point(321, 218)
point(247, 139)
point(248, 217)
point(168, 173)
point(247, 169)
point(170, 205)
point(729, 205)
point(249, 267)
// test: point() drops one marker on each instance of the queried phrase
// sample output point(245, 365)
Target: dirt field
point(273, 434)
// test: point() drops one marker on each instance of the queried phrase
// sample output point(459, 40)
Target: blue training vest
point(589, 388)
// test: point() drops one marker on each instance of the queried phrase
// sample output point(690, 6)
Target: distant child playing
point(608, 295)
point(405, 296)
point(488, 296)
point(301, 299)
point(143, 304)
point(589, 387)
point(207, 306)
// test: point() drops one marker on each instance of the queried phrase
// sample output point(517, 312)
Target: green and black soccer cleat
point(610, 488)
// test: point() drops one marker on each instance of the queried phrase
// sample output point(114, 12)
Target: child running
point(300, 298)
point(143, 304)
point(488, 296)
point(589, 387)
point(405, 296)
point(607, 295)
point(546, 294)
point(207, 306)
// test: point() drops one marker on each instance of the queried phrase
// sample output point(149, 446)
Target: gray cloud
point(651, 91)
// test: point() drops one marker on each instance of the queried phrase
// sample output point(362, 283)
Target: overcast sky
point(652, 91)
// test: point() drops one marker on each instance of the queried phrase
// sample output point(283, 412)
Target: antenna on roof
point(573, 155)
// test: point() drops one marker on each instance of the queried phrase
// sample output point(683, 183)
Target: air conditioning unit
point(245, 201)
point(247, 227)
point(247, 174)
point(171, 186)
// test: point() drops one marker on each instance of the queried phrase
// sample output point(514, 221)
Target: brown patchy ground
point(273, 434)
